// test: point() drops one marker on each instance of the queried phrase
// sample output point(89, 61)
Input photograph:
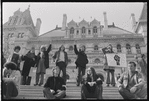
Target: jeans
point(86, 94)
point(81, 72)
point(62, 67)
point(48, 94)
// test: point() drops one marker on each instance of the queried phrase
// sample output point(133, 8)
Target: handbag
point(28, 82)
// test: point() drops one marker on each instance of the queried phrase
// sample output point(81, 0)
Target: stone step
point(72, 92)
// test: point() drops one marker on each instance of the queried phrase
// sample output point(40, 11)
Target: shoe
point(64, 96)
point(35, 84)
point(78, 84)
point(39, 84)
point(113, 85)
point(107, 85)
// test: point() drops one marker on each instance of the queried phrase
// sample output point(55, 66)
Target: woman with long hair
point(42, 63)
point(92, 85)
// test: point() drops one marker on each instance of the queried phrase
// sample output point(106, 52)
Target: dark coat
point(81, 58)
point(58, 84)
point(16, 59)
point(28, 63)
point(57, 54)
point(46, 54)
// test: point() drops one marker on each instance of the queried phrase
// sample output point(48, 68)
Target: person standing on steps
point(80, 62)
point(61, 59)
point(15, 57)
point(29, 61)
point(107, 68)
point(42, 63)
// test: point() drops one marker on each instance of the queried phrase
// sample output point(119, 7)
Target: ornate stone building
point(20, 30)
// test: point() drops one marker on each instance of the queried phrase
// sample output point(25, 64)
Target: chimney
point(38, 25)
point(133, 22)
point(64, 22)
point(105, 20)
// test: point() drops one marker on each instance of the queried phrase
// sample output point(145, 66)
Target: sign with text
point(116, 59)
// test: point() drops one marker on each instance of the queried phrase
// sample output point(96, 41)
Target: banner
point(116, 59)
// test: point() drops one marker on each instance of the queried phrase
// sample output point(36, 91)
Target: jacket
point(81, 58)
point(46, 54)
point(57, 55)
point(129, 82)
point(58, 84)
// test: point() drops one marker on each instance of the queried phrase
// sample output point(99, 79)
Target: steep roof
point(114, 30)
point(143, 15)
point(57, 32)
point(26, 16)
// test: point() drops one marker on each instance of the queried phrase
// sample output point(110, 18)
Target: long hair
point(93, 73)
point(60, 47)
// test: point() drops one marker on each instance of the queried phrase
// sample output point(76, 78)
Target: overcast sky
point(51, 14)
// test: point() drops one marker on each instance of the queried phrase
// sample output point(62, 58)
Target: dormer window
point(138, 49)
point(72, 30)
point(95, 29)
point(89, 32)
point(128, 48)
point(77, 32)
point(83, 29)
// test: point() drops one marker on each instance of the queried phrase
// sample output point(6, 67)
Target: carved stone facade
point(92, 35)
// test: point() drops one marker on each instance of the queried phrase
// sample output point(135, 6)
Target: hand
point(52, 91)
point(58, 90)
point(133, 90)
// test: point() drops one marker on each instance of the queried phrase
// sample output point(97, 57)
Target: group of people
point(55, 86)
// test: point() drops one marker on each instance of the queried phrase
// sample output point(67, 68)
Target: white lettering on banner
point(116, 60)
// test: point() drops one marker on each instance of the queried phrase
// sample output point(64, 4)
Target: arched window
point(97, 60)
point(72, 30)
point(94, 29)
point(16, 19)
point(138, 49)
point(119, 48)
point(128, 48)
point(70, 48)
point(96, 47)
point(77, 32)
point(83, 29)
point(22, 35)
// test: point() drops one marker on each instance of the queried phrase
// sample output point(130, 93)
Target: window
point(70, 48)
point(72, 30)
point(20, 35)
point(138, 49)
point(128, 47)
point(16, 19)
point(95, 29)
point(83, 29)
point(97, 60)
point(89, 32)
point(96, 47)
point(77, 32)
point(10, 35)
point(119, 48)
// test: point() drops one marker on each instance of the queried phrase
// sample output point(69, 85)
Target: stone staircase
point(72, 92)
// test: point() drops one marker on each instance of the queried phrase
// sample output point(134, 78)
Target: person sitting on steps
point(92, 85)
point(55, 87)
